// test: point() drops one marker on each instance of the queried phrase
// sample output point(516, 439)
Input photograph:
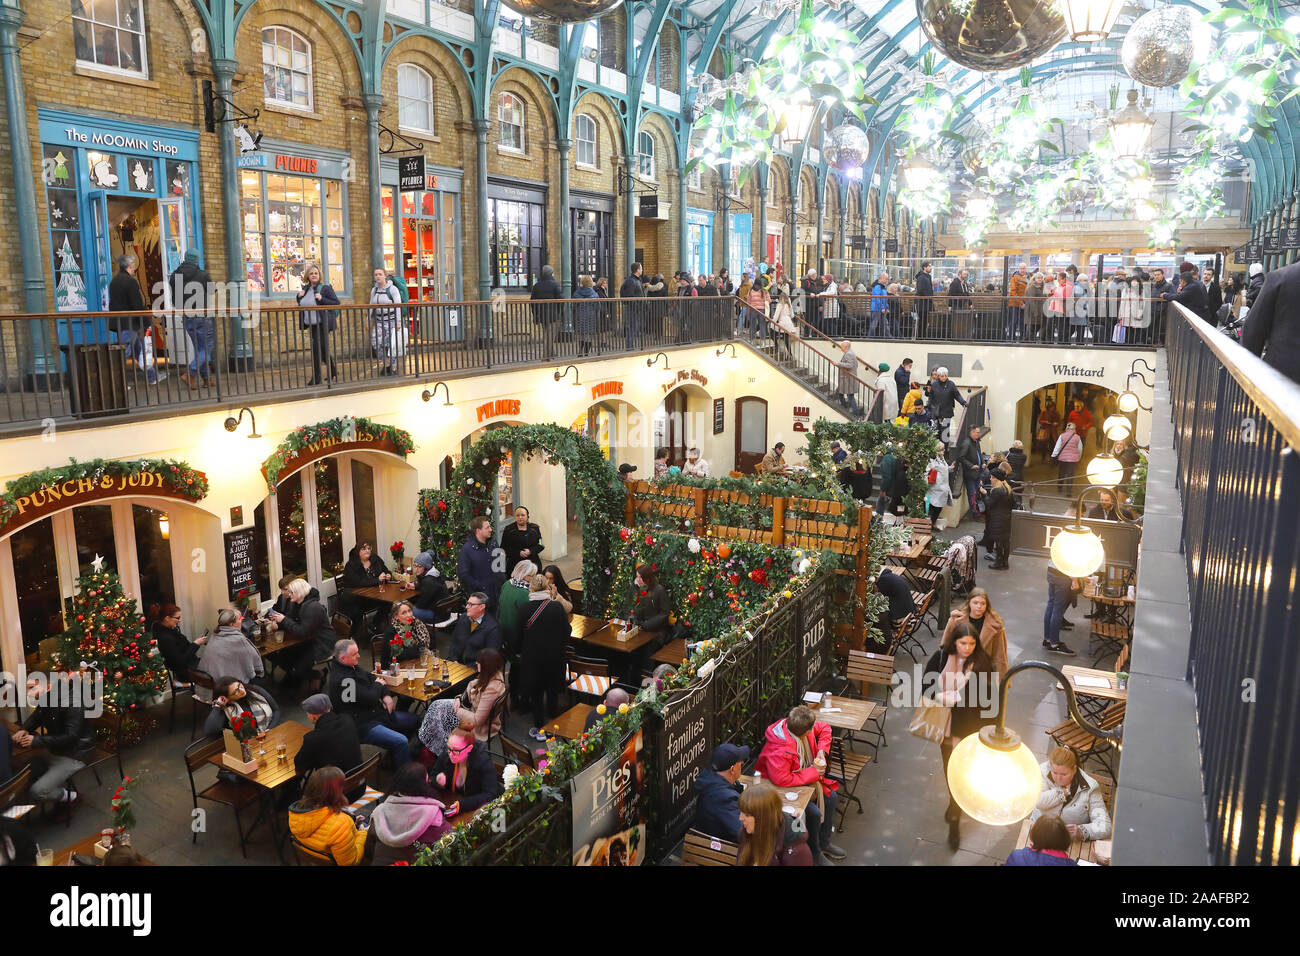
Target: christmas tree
point(105, 632)
point(70, 293)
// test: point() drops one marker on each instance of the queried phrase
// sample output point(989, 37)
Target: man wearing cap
point(332, 741)
point(625, 471)
point(430, 591)
point(1191, 292)
point(838, 454)
point(717, 805)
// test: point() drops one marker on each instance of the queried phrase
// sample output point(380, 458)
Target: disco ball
point(563, 11)
point(846, 147)
point(989, 35)
point(1162, 44)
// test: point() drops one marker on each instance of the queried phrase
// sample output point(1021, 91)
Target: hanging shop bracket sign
point(1290, 236)
point(411, 177)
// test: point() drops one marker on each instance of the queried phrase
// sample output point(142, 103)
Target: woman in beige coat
point(979, 612)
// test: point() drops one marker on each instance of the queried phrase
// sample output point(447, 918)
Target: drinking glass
point(44, 857)
point(281, 750)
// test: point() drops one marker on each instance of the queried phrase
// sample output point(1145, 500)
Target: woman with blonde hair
point(768, 835)
point(979, 614)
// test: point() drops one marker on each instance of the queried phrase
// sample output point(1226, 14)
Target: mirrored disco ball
point(563, 11)
point(989, 35)
point(1159, 47)
point(846, 147)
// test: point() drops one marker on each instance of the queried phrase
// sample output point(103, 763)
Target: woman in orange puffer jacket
point(318, 820)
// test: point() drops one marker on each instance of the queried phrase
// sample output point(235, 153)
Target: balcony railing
point(1237, 438)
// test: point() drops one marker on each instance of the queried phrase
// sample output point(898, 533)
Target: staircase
point(811, 368)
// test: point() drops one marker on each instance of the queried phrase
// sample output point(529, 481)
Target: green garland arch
point(593, 483)
point(868, 439)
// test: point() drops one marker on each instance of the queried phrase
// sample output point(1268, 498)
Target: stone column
point(481, 127)
point(373, 101)
point(566, 221)
point(240, 356)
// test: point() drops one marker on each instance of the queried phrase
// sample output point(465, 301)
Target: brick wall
point(603, 180)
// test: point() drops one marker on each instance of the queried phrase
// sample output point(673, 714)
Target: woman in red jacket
point(795, 752)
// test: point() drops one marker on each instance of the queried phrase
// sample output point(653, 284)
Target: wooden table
point(594, 631)
point(388, 592)
point(852, 714)
point(673, 653)
point(1110, 692)
point(272, 646)
point(85, 847)
point(571, 724)
point(802, 795)
point(458, 674)
point(1084, 851)
point(920, 549)
point(271, 772)
point(1093, 593)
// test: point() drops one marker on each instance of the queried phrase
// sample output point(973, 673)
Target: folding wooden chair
point(364, 773)
point(1084, 744)
point(589, 677)
point(236, 794)
point(845, 767)
point(309, 857)
point(517, 754)
point(905, 639)
point(866, 669)
point(13, 789)
point(701, 849)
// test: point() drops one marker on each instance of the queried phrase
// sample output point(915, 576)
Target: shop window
point(286, 67)
point(363, 506)
point(585, 134)
point(153, 555)
point(36, 583)
point(293, 526)
point(414, 98)
point(517, 243)
point(110, 34)
point(510, 122)
point(93, 527)
point(329, 522)
point(645, 154)
point(291, 222)
point(262, 555)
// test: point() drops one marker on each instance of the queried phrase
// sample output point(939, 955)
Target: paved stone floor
point(903, 792)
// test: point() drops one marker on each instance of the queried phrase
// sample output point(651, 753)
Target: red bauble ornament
point(724, 551)
point(624, 533)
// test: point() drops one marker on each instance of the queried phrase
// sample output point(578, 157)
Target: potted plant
point(123, 813)
point(239, 752)
point(1121, 680)
point(398, 550)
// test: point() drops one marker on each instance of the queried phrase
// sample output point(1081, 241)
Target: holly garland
point(594, 487)
point(105, 632)
point(343, 428)
point(177, 477)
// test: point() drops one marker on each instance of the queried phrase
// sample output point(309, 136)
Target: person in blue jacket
point(717, 805)
point(474, 566)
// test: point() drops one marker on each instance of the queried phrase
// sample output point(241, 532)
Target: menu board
point(814, 649)
point(685, 747)
point(719, 415)
point(240, 572)
point(609, 809)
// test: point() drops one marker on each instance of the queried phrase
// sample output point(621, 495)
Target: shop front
point(115, 187)
point(591, 231)
point(516, 234)
point(740, 238)
point(699, 241)
point(774, 245)
point(294, 210)
point(422, 233)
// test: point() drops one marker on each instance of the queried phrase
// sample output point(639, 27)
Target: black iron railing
point(1237, 437)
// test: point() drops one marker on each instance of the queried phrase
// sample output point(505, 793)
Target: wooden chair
point(500, 710)
point(204, 680)
point(100, 753)
point(13, 789)
point(236, 794)
point(308, 857)
point(517, 754)
point(178, 688)
point(364, 773)
point(342, 625)
point(866, 668)
point(1084, 744)
point(701, 849)
point(920, 525)
point(905, 638)
point(845, 767)
point(589, 677)
point(925, 609)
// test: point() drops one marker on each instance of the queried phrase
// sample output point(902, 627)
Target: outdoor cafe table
point(802, 796)
point(1084, 851)
point(1107, 609)
point(848, 713)
point(1110, 692)
point(672, 653)
point(458, 674)
point(570, 724)
point(598, 633)
point(920, 549)
point(269, 645)
point(271, 772)
point(85, 847)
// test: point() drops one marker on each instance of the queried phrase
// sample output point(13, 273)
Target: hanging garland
point(444, 515)
point(869, 440)
point(309, 438)
point(178, 478)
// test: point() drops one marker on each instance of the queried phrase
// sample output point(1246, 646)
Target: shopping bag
point(1117, 336)
point(930, 721)
point(397, 340)
point(147, 359)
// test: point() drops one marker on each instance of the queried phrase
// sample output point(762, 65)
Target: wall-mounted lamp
point(1128, 400)
point(447, 408)
point(560, 376)
point(992, 775)
point(164, 527)
point(231, 423)
point(733, 361)
point(649, 363)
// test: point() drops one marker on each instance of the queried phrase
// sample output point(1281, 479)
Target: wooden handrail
point(802, 341)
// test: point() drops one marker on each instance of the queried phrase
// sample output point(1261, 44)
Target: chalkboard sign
point(719, 415)
point(686, 744)
point(940, 252)
point(240, 572)
point(814, 649)
point(858, 242)
point(1254, 251)
point(1272, 243)
point(891, 245)
point(1291, 237)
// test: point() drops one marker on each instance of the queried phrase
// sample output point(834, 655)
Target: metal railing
point(1237, 437)
point(92, 364)
point(989, 318)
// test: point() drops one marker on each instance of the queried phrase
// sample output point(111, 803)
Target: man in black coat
point(545, 313)
point(717, 804)
point(1161, 289)
point(895, 587)
point(332, 741)
point(190, 286)
point(943, 394)
point(1191, 293)
point(998, 505)
point(903, 379)
point(1273, 325)
point(972, 460)
point(124, 295)
point(360, 696)
point(632, 289)
point(924, 299)
point(856, 480)
point(474, 630)
point(57, 731)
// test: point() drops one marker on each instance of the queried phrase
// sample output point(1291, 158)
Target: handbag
point(930, 721)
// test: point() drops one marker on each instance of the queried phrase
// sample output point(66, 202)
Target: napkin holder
point(623, 636)
point(233, 757)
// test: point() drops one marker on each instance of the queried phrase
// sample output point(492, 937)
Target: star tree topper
point(98, 563)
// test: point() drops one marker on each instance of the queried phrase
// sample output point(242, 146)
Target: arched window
point(510, 122)
point(110, 34)
point(414, 98)
point(645, 152)
point(286, 67)
point(584, 128)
